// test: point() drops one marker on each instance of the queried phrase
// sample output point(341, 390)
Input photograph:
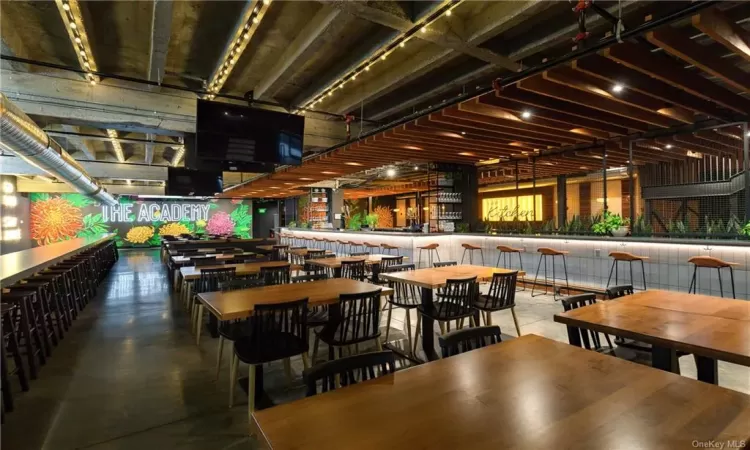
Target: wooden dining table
point(525, 393)
point(711, 328)
point(334, 264)
point(180, 260)
point(436, 277)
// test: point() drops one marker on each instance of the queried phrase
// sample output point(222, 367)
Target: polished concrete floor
point(129, 375)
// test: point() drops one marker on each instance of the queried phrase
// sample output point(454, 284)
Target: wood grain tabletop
point(192, 272)
point(435, 277)
point(707, 326)
point(238, 304)
point(334, 263)
point(219, 256)
point(525, 393)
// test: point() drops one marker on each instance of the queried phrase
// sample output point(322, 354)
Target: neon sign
point(150, 212)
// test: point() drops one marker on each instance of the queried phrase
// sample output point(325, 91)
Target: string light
point(71, 16)
point(116, 145)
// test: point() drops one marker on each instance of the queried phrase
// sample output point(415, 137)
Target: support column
point(533, 186)
point(604, 177)
point(631, 175)
point(746, 168)
point(562, 201)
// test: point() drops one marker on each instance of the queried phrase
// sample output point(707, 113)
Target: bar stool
point(618, 257)
point(471, 249)
point(506, 253)
point(372, 248)
point(329, 244)
point(25, 319)
point(387, 248)
point(545, 253)
point(319, 243)
point(341, 247)
point(430, 248)
point(10, 344)
point(709, 262)
point(355, 247)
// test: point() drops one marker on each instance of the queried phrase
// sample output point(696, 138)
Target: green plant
point(292, 224)
point(371, 220)
point(527, 229)
point(676, 227)
point(549, 226)
point(303, 224)
point(355, 221)
point(714, 226)
point(608, 222)
point(641, 227)
point(462, 227)
point(734, 225)
point(745, 230)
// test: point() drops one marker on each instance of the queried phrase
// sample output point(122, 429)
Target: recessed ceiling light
point(526, 114)
point(352, 164)
point(466, 154)
point(402, 44)
point(423, 30)
point(383, 57)
point(463, 133)
point(668, 146)
point(617, 88)
point(448, 13)
point(416, 167)
point(391, 172)
point(306, 179)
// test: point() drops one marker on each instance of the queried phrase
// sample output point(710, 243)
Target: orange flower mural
point(53, 220)
point(385, 216)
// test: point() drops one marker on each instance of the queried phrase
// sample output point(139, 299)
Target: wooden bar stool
point(387, 248)
point(342, 247)
point(709, 262)
point(372, 248)
point(471, 249)
point(618, 257)
point(329, 244)
point(318, 243)
point(355, 247)
point(430, 248)
point(545, 253)
point(505, 255)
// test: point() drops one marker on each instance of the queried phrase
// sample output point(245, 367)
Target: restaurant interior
point(365, 224)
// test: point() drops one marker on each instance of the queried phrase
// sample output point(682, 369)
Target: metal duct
point(20, 135)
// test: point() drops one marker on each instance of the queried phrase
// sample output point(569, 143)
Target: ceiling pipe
point(21, 136)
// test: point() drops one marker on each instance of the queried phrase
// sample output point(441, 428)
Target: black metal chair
point(233, 329)
point(619, 291)
point(445, 264)
point(461, 341)
point(589, 338)
point(502, 295)
point(280, 253)
point(208, 282)
point(317, 315)
point(353, 269)
point(354, 321)
point(405, 296)
point(278, 331)
point(359, 254)
point(385, 263)
point(368, 365)
point(276, 275)
point(455, 301)
point(10, 346)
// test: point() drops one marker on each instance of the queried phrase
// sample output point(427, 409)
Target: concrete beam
point(96, 169)
point(305, 45)
point(78, 143)
point(161, 31)
point(149, 152)
point(122, 189)
point(128, 109)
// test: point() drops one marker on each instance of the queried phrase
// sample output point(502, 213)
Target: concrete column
point(562, 201)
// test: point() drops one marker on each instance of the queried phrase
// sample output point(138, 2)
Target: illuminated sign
point(261, 210)
point(150, 212)
point(524, 208)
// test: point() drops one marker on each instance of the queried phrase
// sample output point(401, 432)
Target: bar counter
point(588, 260)
point(18, 265)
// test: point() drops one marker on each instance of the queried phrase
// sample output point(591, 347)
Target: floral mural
point(135, 222)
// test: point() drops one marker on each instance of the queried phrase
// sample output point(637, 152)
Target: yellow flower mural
point(173, 229)
point(139, 235)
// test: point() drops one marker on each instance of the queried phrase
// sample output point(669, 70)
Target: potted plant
point(611, 224)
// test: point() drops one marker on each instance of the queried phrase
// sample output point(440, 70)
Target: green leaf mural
point(38, 197)
point(78, 200)
point(243, 221)
point(93, 225)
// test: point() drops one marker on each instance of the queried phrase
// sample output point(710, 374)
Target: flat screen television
point(237, 135)
point(187, 182)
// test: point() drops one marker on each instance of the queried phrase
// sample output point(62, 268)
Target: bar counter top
point(18, 265)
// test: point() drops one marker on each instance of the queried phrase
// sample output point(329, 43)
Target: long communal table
point(334, 264)
point(526, 393)
point(434, 278)
point(711, 328)
point(19, 265)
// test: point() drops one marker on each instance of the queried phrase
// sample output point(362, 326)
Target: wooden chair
point(455, 301)
point(10, 346)
point(278, 331)
point(317, 316)
point(461, 341)
point(202, 261)
point(343, 372)
point(279, 253)
point(709, 262)
point(357, 321)
point(208, 282)
point(276, 275)
point(471, 249)
point(501, 296)
point(445, 264)
point(404, 296)
point(354, 270)
point(618, 257)
point(589, 338)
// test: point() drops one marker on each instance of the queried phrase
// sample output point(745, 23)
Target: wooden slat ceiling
point(669, 79)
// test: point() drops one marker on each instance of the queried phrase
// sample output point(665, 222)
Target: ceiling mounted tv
point(237, 135)
point(187, 182)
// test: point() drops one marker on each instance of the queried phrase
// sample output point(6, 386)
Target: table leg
point(664, 359)
point(199, 324)
point(337, 272)
point(375, 272)
point(428, 334)
point(708, 369)
point(574, 336)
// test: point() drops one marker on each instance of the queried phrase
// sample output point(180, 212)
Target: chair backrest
point(619, 291)
point(360, 254)
point(276, 275)
point(310, 277)
point(388, 261)
point(578, 301)
point(188, 252)
point(169, 238)
point(368, 365)
point(314, 254)
point(278, 330)
point(457, 296)
point(467, 339)
point(444, 263)
point(502, 293)
point(353, 269)
point(211, 278)
point(279, 252)
point(403, 293)
point(229, 251)
point(358, 319)
point(204, 261)
point(241, 283)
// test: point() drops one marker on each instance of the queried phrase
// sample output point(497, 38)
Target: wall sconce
point(10, 200)
point(8, 187)
point(10, 222)
point(395, 210)
point(12, 235)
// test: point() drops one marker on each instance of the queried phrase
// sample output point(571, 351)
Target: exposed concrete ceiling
point(296, 52)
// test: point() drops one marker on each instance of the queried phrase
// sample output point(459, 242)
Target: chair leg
point(488, 318)
point(481, 253)
point(497, 264)
point(471, 321)
point(611, 269)
point(693, 285)
point(250, 393)
point(315, 349)
point(442, 327)
point(408, 329)
point(233, 371)
point(287, 370)
point(305, 361)
point(388, 321)
point(199, 325)
point(218, 356)
point(437, 255)
point(464, 256)
point(643, 272)
point(731, 276)
point(538, 266)
point(515, 321)
point(416, 334)
point(721, 284)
